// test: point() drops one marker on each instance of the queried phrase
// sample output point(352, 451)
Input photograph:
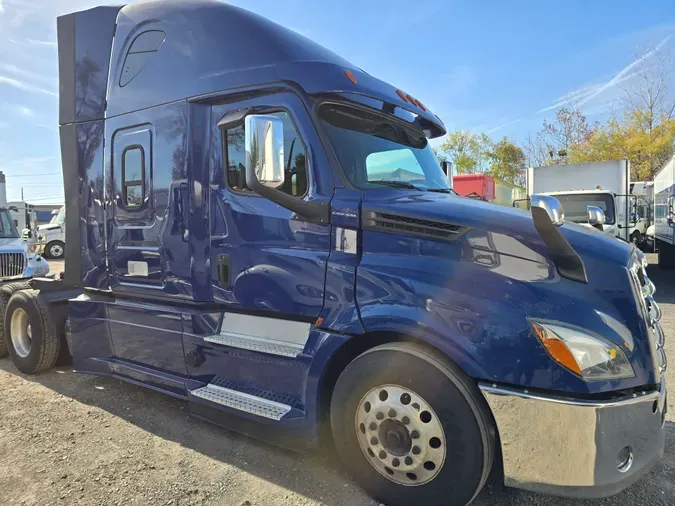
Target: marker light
point(350, 76)
point(588, 356)
point(402, 95)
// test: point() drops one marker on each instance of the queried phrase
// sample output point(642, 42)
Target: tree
point(469, 152)
point(645, 132)
point(508, 162)
point(557, 140)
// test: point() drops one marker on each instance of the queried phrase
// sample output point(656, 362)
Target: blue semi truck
point(260, 228)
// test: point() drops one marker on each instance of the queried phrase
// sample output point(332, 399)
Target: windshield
point(7, 228)
point(575, 206)
point(59, 218)
point(375, 151)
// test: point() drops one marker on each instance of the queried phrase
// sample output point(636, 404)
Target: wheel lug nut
point(416, 450)
point(372, 426)
point(379, 415)
point(408, 461)
point(405, 420)
point(395, 462)
point(383, 454)
point(392, 413)
point(373, 441)
point(414, 434)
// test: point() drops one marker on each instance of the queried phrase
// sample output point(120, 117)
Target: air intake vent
point(396, 223)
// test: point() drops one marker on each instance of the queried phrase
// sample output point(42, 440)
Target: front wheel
point(636, 238)
point(411, 428)
point(55, 250)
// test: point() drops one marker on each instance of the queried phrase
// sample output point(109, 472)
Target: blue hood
point(12, 244)
point(480, 216)
point(467, 276)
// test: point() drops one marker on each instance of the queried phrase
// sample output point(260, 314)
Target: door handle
point(223, 268)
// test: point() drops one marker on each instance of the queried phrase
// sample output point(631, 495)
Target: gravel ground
point(76, 439)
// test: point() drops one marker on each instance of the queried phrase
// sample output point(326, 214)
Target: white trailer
point(602, 184)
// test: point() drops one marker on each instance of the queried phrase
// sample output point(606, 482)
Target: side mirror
point(632, 217)
point(265, 171)
point(596, 217)
point(551, 205)
point(264, 139)
point(446, 167)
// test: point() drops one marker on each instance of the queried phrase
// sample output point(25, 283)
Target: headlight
point(589, 356)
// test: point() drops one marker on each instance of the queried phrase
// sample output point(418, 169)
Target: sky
point(494, 66)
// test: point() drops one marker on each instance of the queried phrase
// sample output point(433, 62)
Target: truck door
point(147, 255)
point(266, 260)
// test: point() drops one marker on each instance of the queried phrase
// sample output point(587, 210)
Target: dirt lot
point(75, 439)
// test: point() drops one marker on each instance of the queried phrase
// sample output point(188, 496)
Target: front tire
point(411, 428)
point(30, 335)
point(55, 250)
point(636, 238)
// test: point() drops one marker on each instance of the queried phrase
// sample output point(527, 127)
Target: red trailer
point(474, 185)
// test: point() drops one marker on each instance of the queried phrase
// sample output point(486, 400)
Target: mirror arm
point(316, 211)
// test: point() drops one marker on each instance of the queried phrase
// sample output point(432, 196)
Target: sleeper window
point(295, 161)
point(133, 177)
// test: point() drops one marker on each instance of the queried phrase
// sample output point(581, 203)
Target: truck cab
point(53, 234)
point(261, 229)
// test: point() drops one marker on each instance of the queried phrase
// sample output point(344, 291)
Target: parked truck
point(19, 256)
point(487, 188)
point(54, 234)
point(262, 229)
point(602, 184)
point(664, 214)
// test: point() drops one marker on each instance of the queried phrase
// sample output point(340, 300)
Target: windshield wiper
point(397, 184)
point(442, 190)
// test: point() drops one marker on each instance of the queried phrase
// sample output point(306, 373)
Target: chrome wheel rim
point(22, 336)
point(400, 435)
point(56, 250)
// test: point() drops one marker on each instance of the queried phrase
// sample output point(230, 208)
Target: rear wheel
point(55, 249)
point(412, 428)
point(30, 336)
point(6, 292)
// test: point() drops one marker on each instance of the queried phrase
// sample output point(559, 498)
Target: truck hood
point(12, 244)
point(478, 218)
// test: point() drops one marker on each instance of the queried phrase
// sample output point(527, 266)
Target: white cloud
point(2, 9)
point(34, 159)
point(48, 43)
point(27, 74)
point(23, 85)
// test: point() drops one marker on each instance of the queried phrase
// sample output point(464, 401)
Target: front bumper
point(36, 266)
point(570, 448)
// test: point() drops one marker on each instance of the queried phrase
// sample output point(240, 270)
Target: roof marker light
point(350, 76)
point(402, 95)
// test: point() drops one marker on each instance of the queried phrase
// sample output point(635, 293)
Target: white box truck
point(664, 214)
point(602, 184)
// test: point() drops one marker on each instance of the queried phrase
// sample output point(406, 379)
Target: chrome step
point(242, 401)
point(259, 344)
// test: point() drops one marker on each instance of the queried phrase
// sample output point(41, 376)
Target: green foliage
point(472, 153)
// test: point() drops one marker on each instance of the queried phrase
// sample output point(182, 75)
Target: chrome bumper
point(571, 448)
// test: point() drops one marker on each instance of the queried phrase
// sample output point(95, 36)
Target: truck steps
point(218, 392)
point(258, 344)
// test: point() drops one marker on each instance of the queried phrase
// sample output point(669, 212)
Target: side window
point(133, 177)
point(294, 152)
